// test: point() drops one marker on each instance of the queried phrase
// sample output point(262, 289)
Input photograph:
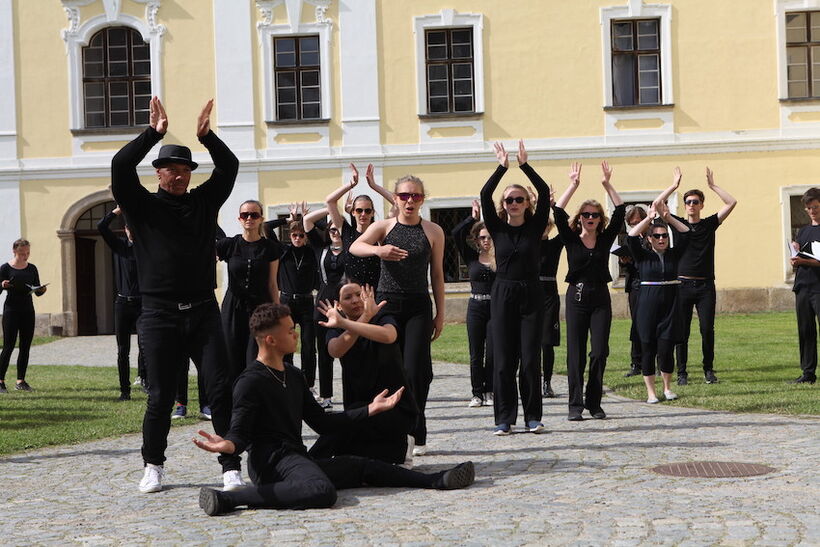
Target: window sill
point(639, 107)
point(800, 100)
point(109, 131)
point(274, 123)
point(453, 116)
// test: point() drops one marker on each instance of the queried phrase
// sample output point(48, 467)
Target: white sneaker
point(652, 400)
point(670, 396)
point(137, 382)
point(420, 450)
point(408, 456)
point(315, 394)
point(152, 479)
point(488, 398)
point(232, 480)
point(475, 402)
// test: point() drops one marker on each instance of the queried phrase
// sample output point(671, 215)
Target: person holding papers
point(807, 287)
point(20, 280)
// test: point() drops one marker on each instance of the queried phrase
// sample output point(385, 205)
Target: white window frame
point(77, 36)
point(789, 109)
point(636, 9)
point(787, 192)
point(447, 203)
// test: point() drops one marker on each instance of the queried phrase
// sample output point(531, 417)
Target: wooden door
point(86, 287)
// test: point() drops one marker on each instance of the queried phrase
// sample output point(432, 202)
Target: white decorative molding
point(267, 30)
point(444, 19)
point(78, 35)
point(790, 111)
point(633, 10)
point(112, 10)
point(8, 106)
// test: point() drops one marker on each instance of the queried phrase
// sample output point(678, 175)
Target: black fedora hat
point(174, 153)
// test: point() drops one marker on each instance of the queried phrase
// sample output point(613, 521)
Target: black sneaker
point(213, 502)
point(634, 370)
point(547, 391)
point(803, 379)
point(3, 388)
point(460, 476)
point(710, 377)
point(23, 386)
point(683, 379)
point(125, 396)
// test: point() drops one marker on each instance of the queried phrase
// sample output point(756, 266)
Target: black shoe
point(460, 476)
point(3, 388)
point(213, 502)
point(23, 386)
point(803, 379)
point(635, 370)
point(598, 414)
point(683, 379)
point(547, 392)
point(710, 377)
point(575, 417)
point(125, 396)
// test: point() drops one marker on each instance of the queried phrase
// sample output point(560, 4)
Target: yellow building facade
point(305, 87)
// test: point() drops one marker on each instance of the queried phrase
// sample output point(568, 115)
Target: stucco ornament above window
point(294, 9)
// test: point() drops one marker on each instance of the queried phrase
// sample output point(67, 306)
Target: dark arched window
point(116, 79)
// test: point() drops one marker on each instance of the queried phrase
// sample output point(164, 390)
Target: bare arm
point(371, 181)
point(366, 244)
point(613, 194)
point(332, 198)
point(437, 277)
point(273, 281)
point(574, 182)
point(728, 200)
point(676, 178)
point(309, 220)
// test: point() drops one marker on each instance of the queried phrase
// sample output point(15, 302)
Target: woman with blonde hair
point(588, 239)
point(475, 246)
point(517, 301)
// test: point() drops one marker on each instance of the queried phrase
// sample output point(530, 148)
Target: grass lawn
point(755, 355)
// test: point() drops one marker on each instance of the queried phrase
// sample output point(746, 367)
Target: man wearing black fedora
point(174, 232)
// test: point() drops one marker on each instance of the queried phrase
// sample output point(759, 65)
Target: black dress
point(18, 316)
point(361, 269)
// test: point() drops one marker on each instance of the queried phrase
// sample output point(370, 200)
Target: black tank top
point(407, 276)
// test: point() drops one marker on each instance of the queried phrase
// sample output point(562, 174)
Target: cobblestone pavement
point(581, 483)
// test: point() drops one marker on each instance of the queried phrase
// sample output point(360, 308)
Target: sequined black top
point(409, 275)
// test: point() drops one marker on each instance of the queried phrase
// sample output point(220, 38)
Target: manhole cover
point(713, 469)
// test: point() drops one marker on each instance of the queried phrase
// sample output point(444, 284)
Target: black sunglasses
point(587, 214)
point(405, 196)
point(517, 199)
point(367, 210)
point(297, 235)
point(244, 215)
point(334, 231)
point(660, 236)
point(692, 202)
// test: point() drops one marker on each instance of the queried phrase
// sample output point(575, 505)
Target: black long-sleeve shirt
point(18, 295)
point(125, 263)
point(173, 235)
point(658, 267)
point(517, 248)
point(588, 265)
point(298, 270)
point(481, 275)
point(270, 414)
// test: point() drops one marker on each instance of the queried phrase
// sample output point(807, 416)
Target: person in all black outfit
point(697, 274)
point(408, 247)
point(659, 323)
point(365, 270)
point(632, 286)
point(174, 233)
point(588, 240)
point(807, 289)
point(517, 302)
point(253, 266)
point(331, 260)
point(20, 280)
point(128, 304)
point(480, 260)
point(271, 401)
point(365, 341)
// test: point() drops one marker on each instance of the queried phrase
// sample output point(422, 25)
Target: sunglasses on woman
point(244, 215)
point(660, 236)
point(587, 214)
point(297, 235)
point(367, 210)
point(406, 196)
point(333, 231)
point(517, 199)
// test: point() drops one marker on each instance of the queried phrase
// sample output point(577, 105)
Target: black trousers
point(182, 385)
point(517, 311)
point(551, 333)
point(301, 310)
point(700, 294)
point(635, 353)
point(284, 479)
point(169, 337)
point(126, 313)
point(479, 338)
point(241, 346)
point(16, 322)
point(807, 306)
point(414, 317)
point(325, 363)
point(382, 437)
point(589, 316)
point(663, 350)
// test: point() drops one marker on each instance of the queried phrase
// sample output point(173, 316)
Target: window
point(449, 69)
point(455, 269)
point(636, 60)
point(87, 223)
point(116, 79)
point(297, 73)
point(803, 54)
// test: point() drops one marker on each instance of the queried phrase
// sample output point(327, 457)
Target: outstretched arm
point(728, 200)
point(226, 165)
point(117, 245)
point(606, 175)
point(309, 220)
point(574, 182)
point(542, 207)
point(487, 206)
point(332, 198)
point(366, 244)
point(371, 181)
point(676, 178)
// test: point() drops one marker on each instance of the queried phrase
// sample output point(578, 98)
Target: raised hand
point(349, 202)
point(354, 179)
point(157, 118)
point(203, 123)
point(305, 209)
point(370, 175)
point(522, 153)
point(331, 312)
point(293, 209)
point(606, 172)
point(369, 306)
point(677, 176)
point(391, 253)
point(552, 195)
point(501, 154)
point(117, 210)
point(476, 213)
point(214, 443)
point(710, 179)
point(652, 213)
point(575, 173)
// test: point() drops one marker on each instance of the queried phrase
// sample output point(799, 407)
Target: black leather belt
point(130, 298)
point(161, 303)
point(303, 296)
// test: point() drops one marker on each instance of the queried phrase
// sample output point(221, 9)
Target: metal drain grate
point(713, 470)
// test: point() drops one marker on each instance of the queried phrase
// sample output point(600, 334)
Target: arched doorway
point(87, 267)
